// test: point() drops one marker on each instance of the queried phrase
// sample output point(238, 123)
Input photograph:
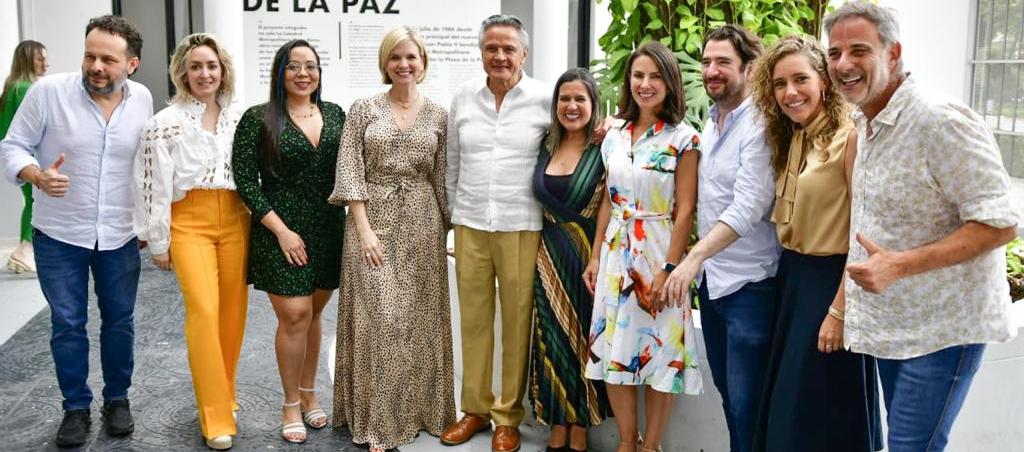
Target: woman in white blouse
point(191, 215)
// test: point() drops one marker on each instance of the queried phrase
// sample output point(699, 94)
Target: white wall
point(937, 47)
point(550, 38)
point(224, 20)
point(60, 26)
point(9, 36)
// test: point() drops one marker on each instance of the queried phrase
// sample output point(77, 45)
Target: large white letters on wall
point(347, 35)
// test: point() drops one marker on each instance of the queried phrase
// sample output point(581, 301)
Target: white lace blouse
point(177, 155)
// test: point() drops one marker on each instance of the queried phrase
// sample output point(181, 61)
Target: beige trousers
point(480, 257)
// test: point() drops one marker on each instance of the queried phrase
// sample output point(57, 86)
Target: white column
point(224, 19)
point(601, 19)
point(8, 35)
point(550, 37)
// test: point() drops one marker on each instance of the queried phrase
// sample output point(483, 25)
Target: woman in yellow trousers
point(191, 215)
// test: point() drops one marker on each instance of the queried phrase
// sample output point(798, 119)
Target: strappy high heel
point(315, 418)
point(293, 427)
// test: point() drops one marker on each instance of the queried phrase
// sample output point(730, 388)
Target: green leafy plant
point(1015, 268)
point(681, 26)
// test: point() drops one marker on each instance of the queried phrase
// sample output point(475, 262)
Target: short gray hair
point(505, 20)
point(883, 18)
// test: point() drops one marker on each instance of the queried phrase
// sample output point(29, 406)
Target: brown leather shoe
point(506, 439)
point(464, 429)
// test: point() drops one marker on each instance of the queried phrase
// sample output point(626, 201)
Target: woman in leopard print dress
point(394, 357)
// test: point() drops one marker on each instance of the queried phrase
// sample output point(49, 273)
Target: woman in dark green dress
point(569, 183)
point(284, 162)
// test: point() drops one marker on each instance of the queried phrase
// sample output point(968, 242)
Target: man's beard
point(114, 85)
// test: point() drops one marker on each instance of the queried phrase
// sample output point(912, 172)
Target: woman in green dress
point(284, 162)
point(28, 64)
point(568, 181)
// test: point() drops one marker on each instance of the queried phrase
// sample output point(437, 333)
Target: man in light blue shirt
point(738, 248)
point(74, 139)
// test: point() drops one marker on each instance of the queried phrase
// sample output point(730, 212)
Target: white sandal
point(293, 427)
point(316, 414)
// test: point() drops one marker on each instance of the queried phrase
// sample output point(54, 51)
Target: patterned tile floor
point(162, 398)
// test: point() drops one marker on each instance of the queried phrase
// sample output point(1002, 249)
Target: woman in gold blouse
point(818, 396)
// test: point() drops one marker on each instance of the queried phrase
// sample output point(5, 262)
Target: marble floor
point(162, 398)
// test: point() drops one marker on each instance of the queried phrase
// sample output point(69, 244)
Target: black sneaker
point(74, 429)
point(118, 417)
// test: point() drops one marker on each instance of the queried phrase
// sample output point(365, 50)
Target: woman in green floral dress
point(284, 163)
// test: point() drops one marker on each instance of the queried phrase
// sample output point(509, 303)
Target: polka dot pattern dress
point(299, 196)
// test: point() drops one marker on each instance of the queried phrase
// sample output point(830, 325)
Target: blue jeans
point(923, 395)
point(738, 336)
point(63, 272)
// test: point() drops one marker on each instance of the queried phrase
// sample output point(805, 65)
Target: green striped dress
point(559, 391)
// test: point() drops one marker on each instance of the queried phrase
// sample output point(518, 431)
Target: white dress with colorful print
point(630, 344)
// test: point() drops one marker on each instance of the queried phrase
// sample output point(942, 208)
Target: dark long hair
point(23, 67)
point(673, 109)
point(275, 115)
point(556, 131)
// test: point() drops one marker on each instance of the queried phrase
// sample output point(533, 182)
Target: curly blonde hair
point(777, 126)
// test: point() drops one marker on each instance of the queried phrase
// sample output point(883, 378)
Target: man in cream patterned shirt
point(931, 211)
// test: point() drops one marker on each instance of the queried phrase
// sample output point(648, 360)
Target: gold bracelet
point(839, 315)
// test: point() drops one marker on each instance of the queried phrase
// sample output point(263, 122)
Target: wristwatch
point(668, 267)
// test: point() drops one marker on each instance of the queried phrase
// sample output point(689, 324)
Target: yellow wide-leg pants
point(209, 246)
point(480, 257)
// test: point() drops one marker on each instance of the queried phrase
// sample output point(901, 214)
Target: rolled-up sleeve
point(970, 171)
point(451, 179)
point(18, 147)
point(754, 191)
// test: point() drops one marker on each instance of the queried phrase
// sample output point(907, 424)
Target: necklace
point(403, 108)
point(312, 112)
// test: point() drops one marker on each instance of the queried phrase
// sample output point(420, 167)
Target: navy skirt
point(814, 401)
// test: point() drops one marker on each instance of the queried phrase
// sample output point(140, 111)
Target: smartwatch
point(668, 267)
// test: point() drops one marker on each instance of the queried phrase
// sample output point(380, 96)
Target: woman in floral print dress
point(651, 163)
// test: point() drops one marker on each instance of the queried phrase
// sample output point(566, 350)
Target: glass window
point(998, 81)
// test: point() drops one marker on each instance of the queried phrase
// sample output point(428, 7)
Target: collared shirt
point(58, 116)
point(177, 155)
point(929, 166)
point(736, 185)
point(812, 203)
point(491, 155)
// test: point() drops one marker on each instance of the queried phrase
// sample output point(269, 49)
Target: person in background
point(568, 181)
point(74, 139)
point(817, 396)
point(284, 158)
point(636, 337)
point(29, 63)
point(932, 208)
point(393, 310)
point(188, 211)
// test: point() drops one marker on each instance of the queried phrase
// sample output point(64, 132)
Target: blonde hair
point(178, 69)
point(778, 127)
point(391, 40)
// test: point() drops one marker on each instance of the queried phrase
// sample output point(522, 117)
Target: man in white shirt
point(738, 249)
point(931, 209)
point(74, 138)
point(495, 128)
